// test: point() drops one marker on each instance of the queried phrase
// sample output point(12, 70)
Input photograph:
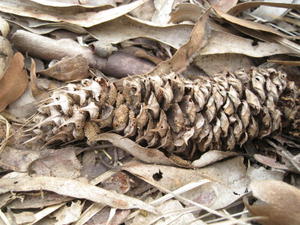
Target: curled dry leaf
point(228, 180)
point(211, 157)
point(72, 188)
point(126, 27)
point(185, 53)
point(68, 69)
point(14, 82)
point(5, 56)
point(73, 15)
point(251, 4)
point(223, 42)
point(149, 155)
point(280, 202)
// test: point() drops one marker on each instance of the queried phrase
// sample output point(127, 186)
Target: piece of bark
point(117, 65)
point(46, 48)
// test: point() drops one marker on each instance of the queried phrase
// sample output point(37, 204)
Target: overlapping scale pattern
point(174, 113)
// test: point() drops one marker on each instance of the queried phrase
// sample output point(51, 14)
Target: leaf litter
point(107, 47)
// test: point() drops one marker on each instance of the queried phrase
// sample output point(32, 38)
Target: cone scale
point(173, 113)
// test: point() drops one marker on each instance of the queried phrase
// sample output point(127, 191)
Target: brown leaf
point(228, 180)
point(150, 155)
point(72, 188)
point(14, 82)
point(68, 69)
point(184, 54)
point(281, 202)
point(6, 55)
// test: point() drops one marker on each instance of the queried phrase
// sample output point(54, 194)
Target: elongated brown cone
point(173, 113)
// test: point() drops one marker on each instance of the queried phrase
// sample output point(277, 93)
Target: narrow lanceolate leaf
point(172, 113)
point(72, 188)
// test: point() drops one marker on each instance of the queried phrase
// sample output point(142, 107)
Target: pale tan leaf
point(68, 69)
point(223, 5)
point(126, 27)
point(224, 42)
point(228, 180)
point(211, 157)
point(150, 155)
point(71, 15)
point(62, 163)
point(281, 202)
point(218, 63)
point(72, 188)
point(173, 213)
point(69, 214)
point(69, 3)
point(17, 160)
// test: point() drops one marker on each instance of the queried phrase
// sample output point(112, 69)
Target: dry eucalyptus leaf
point(69, 3)
point(24, 217)
point(23, 107)
point(249, 24)
point(223, 5)
point(69, 214)
point(261, 173)
point(174, 214)
point(35, 201)
point(60, 163)
point(17, 160)
point(4, 27)
point(126, 27)
point(68, 69)
point(185, 53)
point(163, 8)
point(72, 188)
point(223, 42)
point(211, 157)
point(14, 82)
point(228, 180)
point(218, 63)
point(150, 155)
point(72, 15)
point(280, 202)
point(186, 12)
point(271, 13)
point(102, 217)
point(252, 4)
point(5, 56)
